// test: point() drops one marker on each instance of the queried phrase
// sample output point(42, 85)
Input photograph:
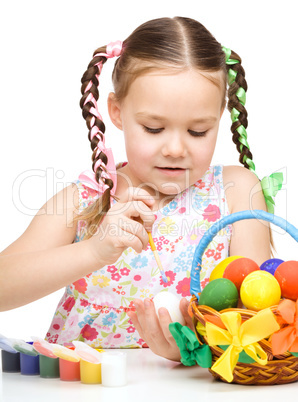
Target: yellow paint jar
point(90, 372)
point(90, 363)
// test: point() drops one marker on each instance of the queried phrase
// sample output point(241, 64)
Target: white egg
point(171, 303)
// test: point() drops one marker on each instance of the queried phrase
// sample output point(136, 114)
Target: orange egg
point(220, 267)
point(287, 277)
point(237, 270)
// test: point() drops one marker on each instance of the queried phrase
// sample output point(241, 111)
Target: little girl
point(170, 80)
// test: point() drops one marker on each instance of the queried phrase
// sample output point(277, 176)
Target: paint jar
point(90, 372)
point(49, 367)
point(29, 361)
point(69, 371)
point(114, 369)
point(10, 362)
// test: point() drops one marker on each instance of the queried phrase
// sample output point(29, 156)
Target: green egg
point(219, 294)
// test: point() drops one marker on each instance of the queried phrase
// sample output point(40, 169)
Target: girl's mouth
point(171, 171)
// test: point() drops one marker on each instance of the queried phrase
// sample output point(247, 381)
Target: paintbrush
point(157, 259)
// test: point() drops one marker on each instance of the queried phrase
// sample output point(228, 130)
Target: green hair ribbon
point(190, 349)
point(241, 95)
point(270, 184)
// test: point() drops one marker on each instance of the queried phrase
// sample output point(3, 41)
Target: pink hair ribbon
point(88, 176)
point(113, 49)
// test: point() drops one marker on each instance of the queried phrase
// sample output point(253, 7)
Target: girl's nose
point(174, 145)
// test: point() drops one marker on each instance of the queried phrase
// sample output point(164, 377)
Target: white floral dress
point(93, 309)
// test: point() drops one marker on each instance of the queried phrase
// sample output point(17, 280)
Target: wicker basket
point(280, 369)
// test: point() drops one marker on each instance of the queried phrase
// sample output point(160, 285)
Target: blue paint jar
point(29, 361)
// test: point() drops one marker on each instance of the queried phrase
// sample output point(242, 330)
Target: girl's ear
point(114, 110)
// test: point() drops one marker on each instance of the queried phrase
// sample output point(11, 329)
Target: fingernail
point(147, 303)
point(162, 311)
point(185, 302)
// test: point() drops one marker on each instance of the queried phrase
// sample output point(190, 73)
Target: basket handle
point(195, 285)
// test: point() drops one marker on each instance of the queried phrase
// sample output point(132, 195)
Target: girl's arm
point(43, 259)
point(250, 238)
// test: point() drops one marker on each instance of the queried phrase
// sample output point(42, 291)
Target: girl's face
point(170, 124)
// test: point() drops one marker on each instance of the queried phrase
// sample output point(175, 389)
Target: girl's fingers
point(155, 330)
point(165, 320)
point(134, 318)
point(134, 228)
point(148, 320)
point(184, 303)
point(125, 239)
point(135, 194)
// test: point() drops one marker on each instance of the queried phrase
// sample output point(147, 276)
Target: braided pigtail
point(236, 105)
point(102, 159)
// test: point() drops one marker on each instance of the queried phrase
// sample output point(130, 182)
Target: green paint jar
point(49, 367)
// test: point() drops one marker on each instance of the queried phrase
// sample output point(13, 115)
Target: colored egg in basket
point(287, 277)
point(271, 265)
point(219, 294)
point(260, 290)
point(237, 270)
point(220, 268)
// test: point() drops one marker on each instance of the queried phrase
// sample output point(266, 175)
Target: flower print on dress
point(173, 205)
point(69, 303)
point(209, 253)
point(167, 226)
point(139, 262)
point(89, 333)
point(183, 287)
point(131, 329)
point(124, 271)
point(217, 256)
point(112, 269)
point(109, 319)
point(73, 320)
point(220, 247)
point(87, 320)
point(112, 340)
point(141, 279)
point(170, 276)
point(57, 324)
point(211, 213)
point(194, 238)
point(181, 264)
point(80, 285)
point(101, 281)
point(84, 303)
point(217, 170)
point(200, 184)
point(116, 276)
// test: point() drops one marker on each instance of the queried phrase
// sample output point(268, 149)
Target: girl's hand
point(125, 225)
point(154, 330)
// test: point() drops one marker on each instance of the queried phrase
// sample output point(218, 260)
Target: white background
point(46, 47)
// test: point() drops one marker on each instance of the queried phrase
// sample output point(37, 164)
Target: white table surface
point(150, 378)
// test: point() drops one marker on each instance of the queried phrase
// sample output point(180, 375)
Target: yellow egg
point(260, 290)
point(220, 268)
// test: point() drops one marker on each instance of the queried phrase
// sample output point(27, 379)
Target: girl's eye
point(158, 130)
point(197, 133)
point(152, 130)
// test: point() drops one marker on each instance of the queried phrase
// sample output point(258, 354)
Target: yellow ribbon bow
point(240, 337)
